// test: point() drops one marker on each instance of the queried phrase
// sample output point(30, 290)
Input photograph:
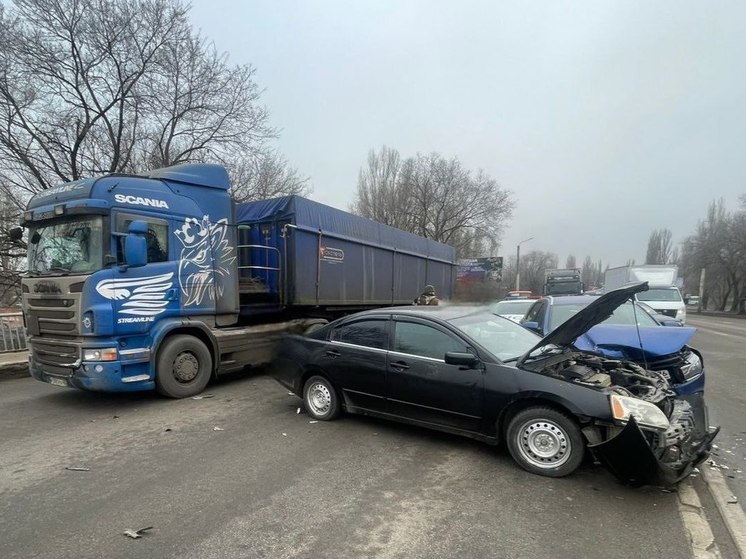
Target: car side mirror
point(671, 323)
point(533, 326)
point(461, 358)
point(135, 245)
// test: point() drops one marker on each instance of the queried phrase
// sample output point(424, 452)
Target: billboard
point(488, 269)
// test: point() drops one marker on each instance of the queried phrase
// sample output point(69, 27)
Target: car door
point(421, 386)
point(355, 359)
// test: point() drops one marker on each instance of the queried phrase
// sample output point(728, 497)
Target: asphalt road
point(272, 484)
point(722, 342)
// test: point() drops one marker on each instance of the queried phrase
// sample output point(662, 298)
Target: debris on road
point(314, 421)
point(136, 534)
point(218, 429)
point(733, 500)
point(78, 469)
point(297, 412)
point(167, 429)
point(203, 396)
point(284, 434)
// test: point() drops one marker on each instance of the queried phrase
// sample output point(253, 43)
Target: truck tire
point(545, 441)
point(183, 367)
point(320, 399)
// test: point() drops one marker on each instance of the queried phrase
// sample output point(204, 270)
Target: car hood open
point(623, 340)
point(595, 313)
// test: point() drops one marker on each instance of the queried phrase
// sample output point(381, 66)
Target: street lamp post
point(518, 263)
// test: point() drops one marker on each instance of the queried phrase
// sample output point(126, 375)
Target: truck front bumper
point(99, 376)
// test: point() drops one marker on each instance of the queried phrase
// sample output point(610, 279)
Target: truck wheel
point(545, 441)
point(320, 399)
point(183, 368)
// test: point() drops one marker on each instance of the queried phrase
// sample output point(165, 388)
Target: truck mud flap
point(629, 457)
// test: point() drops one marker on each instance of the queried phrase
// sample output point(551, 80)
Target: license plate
point(57, 381)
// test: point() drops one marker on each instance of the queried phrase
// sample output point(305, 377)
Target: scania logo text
point(139, 201)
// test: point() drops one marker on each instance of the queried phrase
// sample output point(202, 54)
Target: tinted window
point(418, 339)
point(368, 333)
point(532, 313)
point(156, 238)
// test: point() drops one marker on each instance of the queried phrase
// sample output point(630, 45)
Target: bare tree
point(100, 86)
point(436, 198)
point(266, 175)
point(570, 262)
point(660, 247)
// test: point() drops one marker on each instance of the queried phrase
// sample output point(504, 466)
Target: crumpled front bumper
point(629, 456)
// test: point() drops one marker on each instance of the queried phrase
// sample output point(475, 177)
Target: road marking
point(695, 522)
point(733, 515)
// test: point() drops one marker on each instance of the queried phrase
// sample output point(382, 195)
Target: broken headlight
point(692, 366)
point(646, 414)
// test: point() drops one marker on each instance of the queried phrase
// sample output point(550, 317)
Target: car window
point(367, 333)
point(532, 312)
point(425, 341)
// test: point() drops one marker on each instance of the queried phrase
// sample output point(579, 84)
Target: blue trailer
point(160, 281)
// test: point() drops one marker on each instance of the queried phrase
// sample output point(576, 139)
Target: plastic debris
point(733, 500)
point(284, 434)
point(313, 421)
point(136, 534)
point(297, 412)
point(203, 396)
point(78, 469)
point(218, 429)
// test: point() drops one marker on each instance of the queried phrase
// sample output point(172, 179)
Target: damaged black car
point(473, 373)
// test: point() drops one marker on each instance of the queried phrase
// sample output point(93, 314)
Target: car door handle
point(399, 366)
point(333, 353)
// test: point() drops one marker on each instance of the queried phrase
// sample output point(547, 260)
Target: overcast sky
point(606, 119)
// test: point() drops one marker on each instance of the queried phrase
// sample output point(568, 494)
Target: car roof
point(571, 299)
point(442, 312)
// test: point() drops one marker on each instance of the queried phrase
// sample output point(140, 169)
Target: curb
point(701, 538)
point(732, 514)
point(15, 369)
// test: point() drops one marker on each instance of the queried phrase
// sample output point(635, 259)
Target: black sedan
point(473, 373)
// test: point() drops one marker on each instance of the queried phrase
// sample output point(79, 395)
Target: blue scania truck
point(159, 281)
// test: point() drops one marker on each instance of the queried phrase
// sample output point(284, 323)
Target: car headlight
point(692, 366)
point(645, 413)
point(681, 313)
point(100, 354)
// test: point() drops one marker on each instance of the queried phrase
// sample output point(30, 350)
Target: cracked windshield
point(66, 247)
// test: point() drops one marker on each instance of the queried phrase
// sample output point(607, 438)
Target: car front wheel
point(320, 399)
point(545, 441)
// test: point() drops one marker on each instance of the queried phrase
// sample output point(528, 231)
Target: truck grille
point(55, 357)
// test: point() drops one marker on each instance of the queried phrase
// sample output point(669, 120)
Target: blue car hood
point(622, 342)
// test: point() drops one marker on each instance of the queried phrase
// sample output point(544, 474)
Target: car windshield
point(512, 307)
point(70, 246)
point(506, 340)
point(669, 294)
point(624, 314)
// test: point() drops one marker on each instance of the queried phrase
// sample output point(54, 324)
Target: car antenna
point(639, 337)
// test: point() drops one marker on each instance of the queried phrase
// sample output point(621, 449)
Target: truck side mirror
point(135, 245)
point(15, 234)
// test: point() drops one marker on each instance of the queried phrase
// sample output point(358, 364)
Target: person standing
point(427, 297)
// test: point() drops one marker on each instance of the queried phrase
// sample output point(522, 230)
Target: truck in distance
point(566, 281)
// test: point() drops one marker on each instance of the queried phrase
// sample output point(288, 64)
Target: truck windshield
point(669, 294)
point(69, 246)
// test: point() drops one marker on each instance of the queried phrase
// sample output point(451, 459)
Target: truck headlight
point(692, 366)
point(645, 413)
point(100, 354)
point(681, 314)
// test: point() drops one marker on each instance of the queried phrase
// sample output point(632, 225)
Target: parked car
point(477, 374)
point(512, 309)
point(628, 333)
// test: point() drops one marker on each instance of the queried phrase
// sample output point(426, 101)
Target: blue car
point(629, 333)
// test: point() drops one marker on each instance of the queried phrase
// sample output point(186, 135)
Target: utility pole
point(518, 263)
point(701, 290)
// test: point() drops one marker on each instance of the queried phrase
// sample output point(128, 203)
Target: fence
point(12, 332)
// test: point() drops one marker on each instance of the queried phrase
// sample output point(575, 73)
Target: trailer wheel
point(183, 368)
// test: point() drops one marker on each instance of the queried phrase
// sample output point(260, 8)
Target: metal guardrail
point(12, 332)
